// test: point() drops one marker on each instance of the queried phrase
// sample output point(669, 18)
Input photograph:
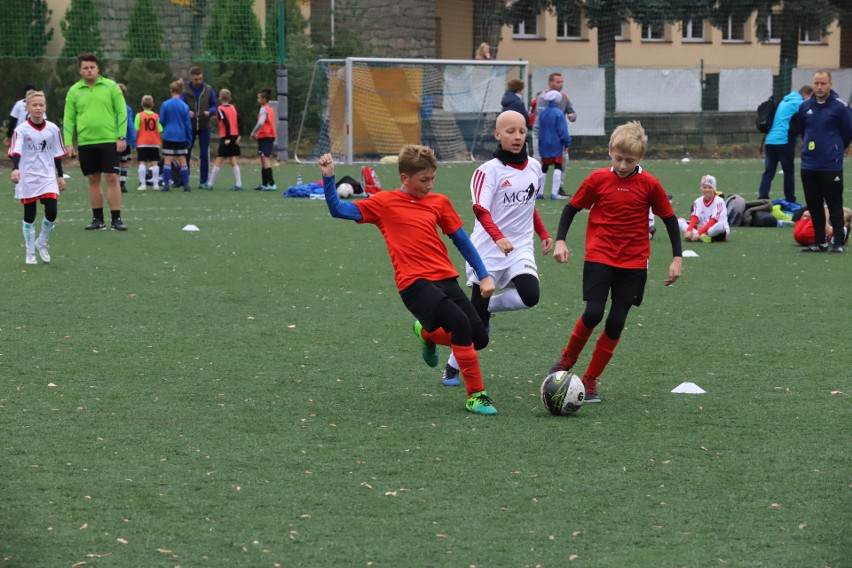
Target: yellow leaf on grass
point(121, 540)
point(164, 551)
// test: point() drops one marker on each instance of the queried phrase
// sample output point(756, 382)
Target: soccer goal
point(363, 109)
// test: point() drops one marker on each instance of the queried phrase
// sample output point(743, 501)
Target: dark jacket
point(826, 131)
point(205, 99)
point(512, 101)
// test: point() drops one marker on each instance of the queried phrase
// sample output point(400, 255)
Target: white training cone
point(688, 388)
point(688, 253)
point(191, 228)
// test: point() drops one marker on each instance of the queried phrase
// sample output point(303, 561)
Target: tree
point(144, 66)
point(80, 28)
point(789, 19)
point(26, 35)
point(487, 24)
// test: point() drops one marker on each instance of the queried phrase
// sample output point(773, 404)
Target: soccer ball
point(345, 191)
point(562, 393)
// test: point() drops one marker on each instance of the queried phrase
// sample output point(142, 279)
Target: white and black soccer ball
point(345, 190)
point(562, 393)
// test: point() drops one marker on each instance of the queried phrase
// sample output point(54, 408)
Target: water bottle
point(299, 178)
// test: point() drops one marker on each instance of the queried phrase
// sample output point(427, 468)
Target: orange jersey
point(228, 120)
point(148, 129)
point(409, 226)
point(268, 128)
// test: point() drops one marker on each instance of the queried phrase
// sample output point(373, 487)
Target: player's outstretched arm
point(471, 255)
point(336, 207)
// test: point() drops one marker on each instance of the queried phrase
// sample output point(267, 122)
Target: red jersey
point(617, 232)
point(409, 225)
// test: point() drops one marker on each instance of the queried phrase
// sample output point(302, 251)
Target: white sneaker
point(142, 187)
point(31, 259)
point(43, 251)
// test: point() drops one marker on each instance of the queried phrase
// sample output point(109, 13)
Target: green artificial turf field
point(251, 394)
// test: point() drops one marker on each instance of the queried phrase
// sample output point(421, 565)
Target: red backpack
point(370, 180)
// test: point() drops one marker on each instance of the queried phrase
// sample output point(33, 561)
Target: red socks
point(600, 358)
point(468, 362)
point(439, 337)
point(578, 340)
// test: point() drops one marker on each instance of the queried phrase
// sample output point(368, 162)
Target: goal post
point(364, 109)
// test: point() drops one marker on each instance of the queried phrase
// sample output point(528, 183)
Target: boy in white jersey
point(36, 151)
point(504, 190)
point(709, 219)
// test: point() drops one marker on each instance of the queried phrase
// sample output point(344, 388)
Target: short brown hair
point(515, 85)
point(176, 87)
point(414, 158)
point(225, 95)
point(147, 102)
point(266, 94)
point(196, 71)
point(87, 56)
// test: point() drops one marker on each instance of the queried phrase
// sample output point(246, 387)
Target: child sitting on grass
point(709, 219)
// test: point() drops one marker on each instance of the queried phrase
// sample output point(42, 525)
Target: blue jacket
point(552, 131)
point(131, 129)
point(174, 116)
point(512, 101)
point(780, 133)
point(826, 131)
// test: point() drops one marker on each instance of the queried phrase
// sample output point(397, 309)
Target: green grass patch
point(251, 395)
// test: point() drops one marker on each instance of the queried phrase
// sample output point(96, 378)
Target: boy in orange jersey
point(425, 275)
point(264, 133)
point(229, 141)
point(148, 141)
point(617, 248)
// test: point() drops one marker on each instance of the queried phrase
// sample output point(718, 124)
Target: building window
point(733, 31)
point(569, 25)
point(654, 32)
point(526, 28)
point(772, 36)
point(693, 31)
point(808, 33)
point(623, 33)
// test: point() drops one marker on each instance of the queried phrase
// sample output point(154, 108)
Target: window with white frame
point(809, 33)
point(654, 32)
point(733, 30)
point(772, 35)
point(569, 25)
point(623, 32)
point(693, 30)
point(526, 28)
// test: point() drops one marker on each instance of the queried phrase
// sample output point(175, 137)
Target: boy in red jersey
point(617, 247)
point(425, 275)
point(264, 133)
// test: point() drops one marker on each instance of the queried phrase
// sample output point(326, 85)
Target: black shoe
point(836, 248)
point(117, 225)
point(164, 188)
point(123, 188)
point(816, 248)
point(591, 398)
point(187, 189)
point(562, 192)
point(96, 225)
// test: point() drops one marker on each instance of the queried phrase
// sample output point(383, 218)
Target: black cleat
point(96, 225)
point(117, 225)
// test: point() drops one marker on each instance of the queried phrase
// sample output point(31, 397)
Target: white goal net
point(363, 109)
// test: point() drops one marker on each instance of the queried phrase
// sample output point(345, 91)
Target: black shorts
point(175, 148)
point(228, 150)
point(264, 148)
point(422, 297)
point(127, 155)
point(626, 284)
point(99, 158)
point(148, 154)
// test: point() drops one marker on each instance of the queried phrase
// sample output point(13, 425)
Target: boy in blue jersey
point(177, 132)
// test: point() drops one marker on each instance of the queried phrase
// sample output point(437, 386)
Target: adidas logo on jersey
point(506, 183)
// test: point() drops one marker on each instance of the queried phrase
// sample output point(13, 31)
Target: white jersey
point(508, 193)
point(37, 147)
point(715, 210)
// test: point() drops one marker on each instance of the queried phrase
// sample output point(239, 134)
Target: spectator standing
point(553, 141)
point(825, 124)
point(781, 145)
point(513, 99)
point(201, 99)
point(96, 111)
point(555, 82)
point(483, 52)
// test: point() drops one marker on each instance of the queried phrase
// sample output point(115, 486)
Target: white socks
point(213, 173)
point(238, 178)
point(557, 181)
point(29, 236)
point(506, 301)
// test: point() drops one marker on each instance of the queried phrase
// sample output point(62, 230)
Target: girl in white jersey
point(709, 219)
point(36, 151)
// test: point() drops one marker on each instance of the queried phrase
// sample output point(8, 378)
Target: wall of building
point(455, 29)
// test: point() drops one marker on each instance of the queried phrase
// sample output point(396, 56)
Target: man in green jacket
point(96, 111)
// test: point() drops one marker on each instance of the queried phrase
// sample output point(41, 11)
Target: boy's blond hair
point(414, 158)
point(225, 95)
point(629, 137)
point(147, 102)
point(176, 87)
point(32, 93)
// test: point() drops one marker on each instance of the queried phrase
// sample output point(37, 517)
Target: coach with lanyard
point(201, 99)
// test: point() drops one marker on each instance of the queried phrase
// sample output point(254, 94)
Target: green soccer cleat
point(480, 403)
point(706, 239)
point(428, 350)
